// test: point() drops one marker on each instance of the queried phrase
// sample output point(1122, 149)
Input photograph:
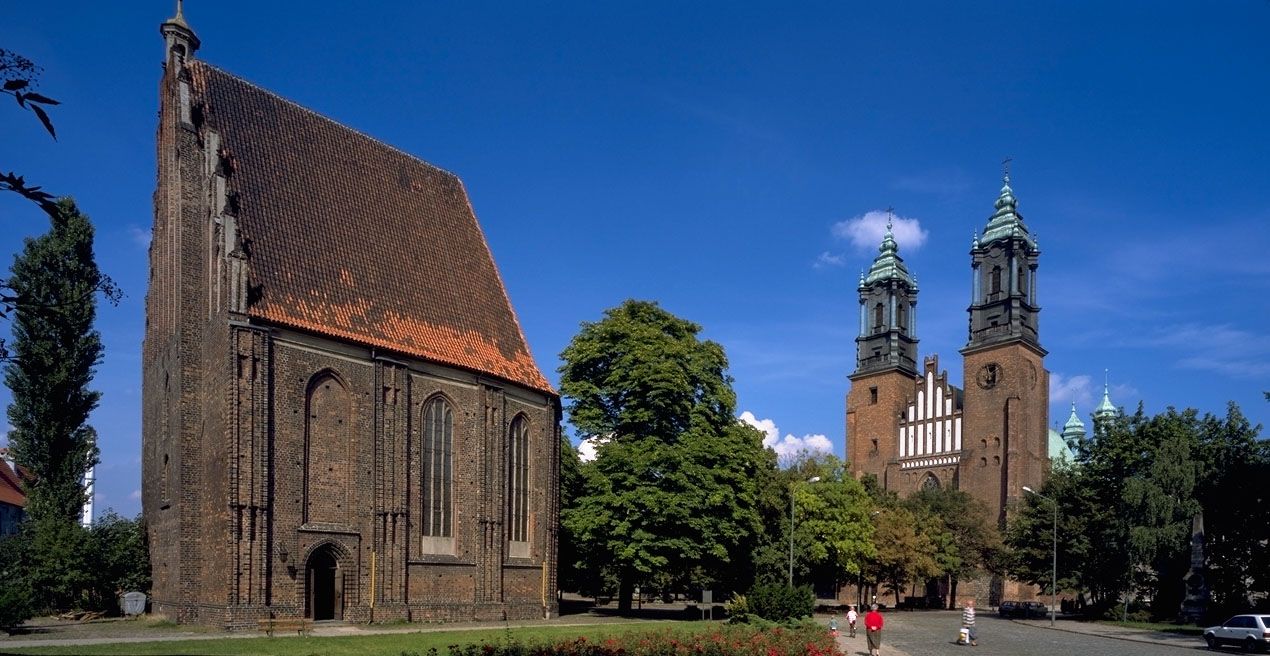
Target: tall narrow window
point(437, 467)
point(518, 484)
point(901, 320)
point(994, 285)
point(877, 316)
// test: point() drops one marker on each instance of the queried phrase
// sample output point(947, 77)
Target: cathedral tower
point(1006, 385)
point(886, 361)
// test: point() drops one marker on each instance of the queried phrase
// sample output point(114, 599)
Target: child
point(833, 624)
point(851, 618)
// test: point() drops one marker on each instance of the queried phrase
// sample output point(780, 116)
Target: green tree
point(573, 569)
point(55, 351)
point(15, 594)
point(964, 540)
point(905, 554)
point(1234, 468)
point(119, 557)
point(832, 531)
point(673, 487)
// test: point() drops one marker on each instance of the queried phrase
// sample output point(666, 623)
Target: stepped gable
point(351, 238)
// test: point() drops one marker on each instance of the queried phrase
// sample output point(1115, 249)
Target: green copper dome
point(1006, 222)
point(1105, 410)
point(1074, 429)
point(888, 265)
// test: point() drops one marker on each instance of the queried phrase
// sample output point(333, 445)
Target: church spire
point(1074, 429)
point(1105, 410)
point(888, 311)
point(178, 37)
point(888, 265)
point(1006, 222)
point(1003, 260)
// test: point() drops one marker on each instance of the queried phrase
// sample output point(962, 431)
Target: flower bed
point(808, 639)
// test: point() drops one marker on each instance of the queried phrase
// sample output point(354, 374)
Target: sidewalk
point(1118, 633)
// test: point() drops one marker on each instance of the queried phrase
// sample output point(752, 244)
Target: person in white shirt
point(968, 621)
point(851, 618)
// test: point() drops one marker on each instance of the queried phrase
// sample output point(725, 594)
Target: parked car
point(1022, 609)
point(1252, 632)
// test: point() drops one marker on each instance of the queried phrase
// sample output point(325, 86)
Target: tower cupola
point(888, 312)
point(1003, 260)
point(1105, 410)
point(1074, 429)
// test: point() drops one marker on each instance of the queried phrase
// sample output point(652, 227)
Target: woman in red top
point(873, 628)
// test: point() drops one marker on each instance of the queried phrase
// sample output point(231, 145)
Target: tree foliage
point(832, 532)
point(1126, 507)
point(56, 353)
point(672, 489)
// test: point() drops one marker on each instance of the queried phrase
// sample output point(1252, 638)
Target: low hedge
point(720, 640)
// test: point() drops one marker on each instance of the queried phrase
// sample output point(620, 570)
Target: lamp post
point(1054, 566)
point(813, 479)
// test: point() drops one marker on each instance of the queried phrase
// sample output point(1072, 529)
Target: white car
point(1252, 632)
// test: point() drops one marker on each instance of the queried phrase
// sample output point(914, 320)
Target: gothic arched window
point(518, 481)
point(930, 482)
point(437, 467)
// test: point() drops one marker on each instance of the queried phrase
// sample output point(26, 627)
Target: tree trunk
point(624, 591)
point(952, 593)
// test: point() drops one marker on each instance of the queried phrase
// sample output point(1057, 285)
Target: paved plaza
point(935, 632)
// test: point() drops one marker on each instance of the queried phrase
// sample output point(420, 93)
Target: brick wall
point(262, 446)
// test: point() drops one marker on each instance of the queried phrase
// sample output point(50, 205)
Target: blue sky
point(719, 158)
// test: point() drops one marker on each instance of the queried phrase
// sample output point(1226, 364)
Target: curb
point(1111, 637)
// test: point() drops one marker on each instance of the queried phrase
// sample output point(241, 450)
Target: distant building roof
point(10, 486)
point(351, 238)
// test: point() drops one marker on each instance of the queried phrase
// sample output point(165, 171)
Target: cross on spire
point(890, 217)
point(1005, 167)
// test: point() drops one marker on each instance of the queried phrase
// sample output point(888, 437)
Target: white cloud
point(140, 236)
point(586, 449)
point(766, 426)
point(828, 259)
point(1064, 390)
point(790, 445)
point(865, 231)
point(135, 496)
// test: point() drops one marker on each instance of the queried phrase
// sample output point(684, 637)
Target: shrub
point(779, 603)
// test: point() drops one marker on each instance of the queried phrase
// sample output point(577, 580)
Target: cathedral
point(911, 427)
point(341, 415)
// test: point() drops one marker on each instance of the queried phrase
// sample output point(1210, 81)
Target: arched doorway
point(324, 585)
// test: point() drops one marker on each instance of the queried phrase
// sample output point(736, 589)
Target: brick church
point(911, 427)
point(341, 416)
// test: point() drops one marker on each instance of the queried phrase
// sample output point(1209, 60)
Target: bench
point(300, 625)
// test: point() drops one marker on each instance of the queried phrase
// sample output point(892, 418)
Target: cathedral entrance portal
point(324, 586)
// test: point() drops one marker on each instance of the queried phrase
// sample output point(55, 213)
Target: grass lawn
point(1165, 627)
point(392, 644)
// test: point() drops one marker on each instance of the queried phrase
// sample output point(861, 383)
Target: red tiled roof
point(351, 238)
point(10, 489)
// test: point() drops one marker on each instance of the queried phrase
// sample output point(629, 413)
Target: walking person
point(968, 621)
point(873, 629)
point(833, 624)
point(851, 618)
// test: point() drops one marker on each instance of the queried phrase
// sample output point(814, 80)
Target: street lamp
point(1054, 569)
point(813, 479)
